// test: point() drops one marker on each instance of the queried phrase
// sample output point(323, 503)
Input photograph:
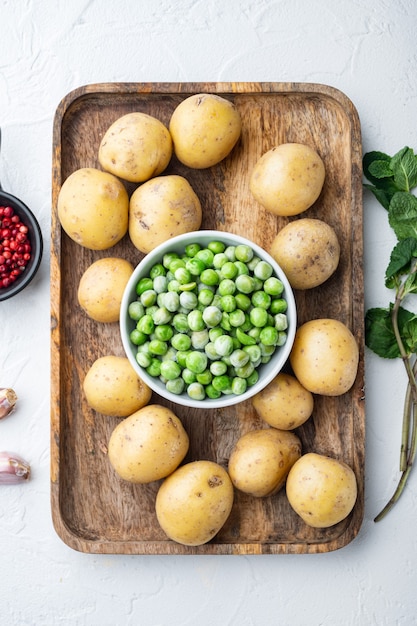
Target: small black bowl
point(36, 242)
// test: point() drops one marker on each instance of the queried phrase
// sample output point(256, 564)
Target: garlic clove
point(13, 469)
point(8, 399)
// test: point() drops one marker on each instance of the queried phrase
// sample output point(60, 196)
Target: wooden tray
point(93, 511)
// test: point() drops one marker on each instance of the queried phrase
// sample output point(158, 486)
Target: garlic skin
point(13, 469)
point(8, 399)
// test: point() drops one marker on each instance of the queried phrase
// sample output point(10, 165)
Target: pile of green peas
point(206, 319)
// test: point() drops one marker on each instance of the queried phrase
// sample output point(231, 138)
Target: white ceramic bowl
point(267, 371)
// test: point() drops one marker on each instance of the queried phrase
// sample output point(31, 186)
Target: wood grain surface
point(92, 509)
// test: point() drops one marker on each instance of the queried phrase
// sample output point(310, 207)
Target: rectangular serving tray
point(93, 511)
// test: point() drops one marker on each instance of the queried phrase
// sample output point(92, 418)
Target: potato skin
point(194, 502)
point(101, 288)
point(112, 387)
point(308, 251)
point(321, 490)
point(162, 208)
point(148, 445)
point(93, 208)
point(204, 128)
point(261, 459)
point(287, 179)
point(136, 147)
point(325, 357)
point(284, 403)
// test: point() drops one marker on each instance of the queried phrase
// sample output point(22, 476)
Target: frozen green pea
point(257, 284)
point(148, 297)
point(205, 377)
point(150, 310)
point(225, 323)
point(224, 345)
point(195, 266)
point(253, 262)
point(244, 338)
point(137, 337)
point(221, 383)
point(195, 320)
point(188, 300)
point(212, 316)
point(279, 305)
point(274, 286)
point(157, 270)
point(216, 247)
point(159, 284)
point(282, 338)
point(218, 368)
point(209, 277)
point(253, 378)
point(210, 351)
point(244, 283)
point(254, 352)
point(246, 370)
point(228, 303)
point(239, 358)
point(154, 368)
point(171, 301)
point(196, 391)
point(205, 297)
point(163, 332)
point(144, 284)
point(243, 253)
point(188, 376)
point(161, 316)
point(239, 386)
point(199, 339)
point(144, 347)
point(181, 357)
point(168, 258)
point(281, 321)
point(180, 323)
point(170, 370)
point(262, 299)
point(206, 256)
point(188, 286)
point(215, 332)
point(136, 310)
point(175, 386)
point(160, 299)
point(158, 347)
point(258, 317)
point(243, 301)
point(182, 275)
point(265, 359)
point(170, 354)
point(266, 350)
point(212, 393)
point(263, 270)
point(230, 252)
point(226, 287)
point(228, 270)
point(173, 285)
point(196, 361)
point(181, 341)
point(219, 260)
point(144, 359)
point(254, 332)
point(191, 249)
point(242, 268)
point(146, 324)
point(236, 318)
point(176, 264)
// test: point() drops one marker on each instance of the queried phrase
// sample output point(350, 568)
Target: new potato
point(135, 147)
point(148, 445)
point(321, 490)
point(101, 288)
point(112, 387)
point(194, 502)
point(308, 251)
point(93, 208)
point(287, 179)
point(325, 357)
point(261, 459)
point(204, 128)
point(284, 403)
point(162, 208)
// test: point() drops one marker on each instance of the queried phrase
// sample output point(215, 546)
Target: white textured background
point(367, 49)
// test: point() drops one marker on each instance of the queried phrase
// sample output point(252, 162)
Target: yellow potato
point(287, 179)
point(162, 208)
point(101, 288)
point(308, 251)
point(204, 128)
point(325, 357)
point(321, 490)
point(193, 504)
point(135, 147)
point(148, 445)
point(112, 387)
point(93, 208)
point(261, 459)
point(284, 403)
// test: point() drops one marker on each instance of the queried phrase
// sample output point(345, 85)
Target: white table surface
point(368, 50)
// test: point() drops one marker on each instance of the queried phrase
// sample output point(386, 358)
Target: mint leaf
point(402, 215)
point(377, 169)
point(382, 196)
point(380, 169)
point(404, 166)
point(379, 332)
point(371, 157)
point(400, 260)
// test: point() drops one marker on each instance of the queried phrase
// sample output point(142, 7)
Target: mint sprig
point(391, 332)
